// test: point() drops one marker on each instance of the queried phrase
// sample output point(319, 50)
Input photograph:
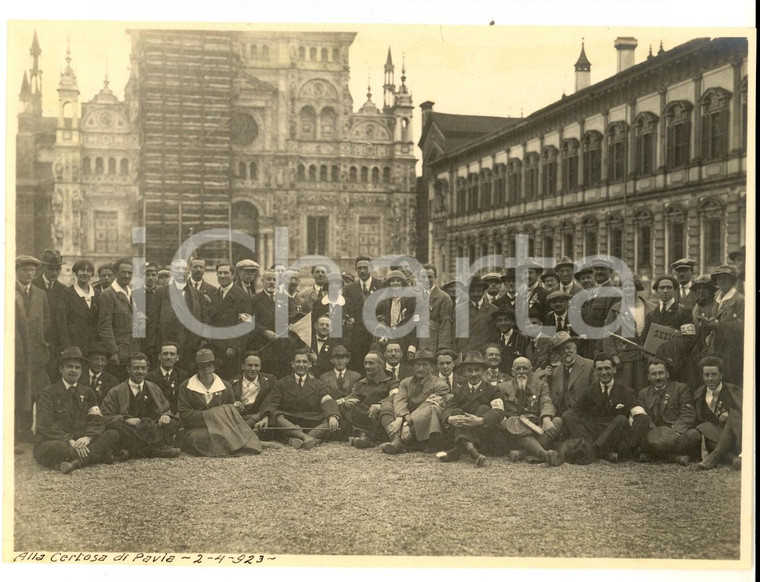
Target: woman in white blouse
point(76, 315)
point(630, 313)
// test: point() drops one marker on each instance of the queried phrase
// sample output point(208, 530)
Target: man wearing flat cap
point(493, 288)
point(71, 433)
point(417, 408)
point(31, 346)
point(247, 271)
point(48, 282)
point(473, 412)
point(728, 324)
point(683, 269)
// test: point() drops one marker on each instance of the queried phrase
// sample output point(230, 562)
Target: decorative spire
point(26, 92)
point(389, 61)
point(650, 55)
point(369, 89)
point(583, 64)
point(68, 51)
point(662, 50)
point(35, 50)
point(105, 79)
point(68, 78)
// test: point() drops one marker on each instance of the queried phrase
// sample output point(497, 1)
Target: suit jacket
point(457, 379)
point(116, 402)
point(677, 317)
point(627, 329)
point(309, 296)
point(673, 406)
point(594, 406)
point(404, 371)
point(54, 296)
point(514, 348)
point(408, 306)
point(77, 323)
point(323, 363)
point(574, 288)
point(412, 393)
point(481, 328)
point(170, 388)
point(729, 401)
point(103, 384)
point(702, 344)
point(61, 417)
point(323, 308)
point(462, 400)
point(369, 392)
point(360, 339)
point(535, 402)
point(581, 377)
point(115, 324)
point(165, 326)
point(206, 288)
point(538, 351)
point(340, 391)
point(537, 300)
point(31, 349)
point(688, 301)
point(311, 402)
point(266, 383)
point(225, 313)
point(440, 328)
point(729, 335)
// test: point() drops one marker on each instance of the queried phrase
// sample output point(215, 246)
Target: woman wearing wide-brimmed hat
point(213, 426)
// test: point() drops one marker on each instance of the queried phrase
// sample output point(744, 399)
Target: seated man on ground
point(493, 374)
point(417, 408)
point(662, 417)
point(361, 411)
point(571, 376)
point(140, 413)
point(339, 380)
point(474, 411)
point(210, 415)
point(97, 378)
point(300, 407)
point(531, 427)
point(600, 414)
point(252, 388)
point(70, 430)
point(167, 375)
point(718, 406)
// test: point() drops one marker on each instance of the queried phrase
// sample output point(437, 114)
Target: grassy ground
point(337, 500)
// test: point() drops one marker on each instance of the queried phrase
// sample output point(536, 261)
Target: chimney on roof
point(427, 109)
point(626, 47)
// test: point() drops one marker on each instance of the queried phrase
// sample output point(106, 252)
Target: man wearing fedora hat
point(531, 423)
point(474, 411)
point(728, 324)
point(31, 346)
point(48, 282)
point(566, 268)
point(138, 410)
point(571, 375)
point(683, 269)
point(70, 429)
point(417, 408)
point(704, 310)
point(98, 380)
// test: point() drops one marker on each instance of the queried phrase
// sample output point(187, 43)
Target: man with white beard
point(530, 423)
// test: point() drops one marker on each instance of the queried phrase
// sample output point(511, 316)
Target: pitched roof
point(458, 130)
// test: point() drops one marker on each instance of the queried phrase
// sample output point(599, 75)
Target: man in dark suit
point(445, 361)
point(440, 324)
point(115, 320)
point(339, 380)
point(106, 276)
point(511, 341)
point(718, 406)
point(48, 282)
point(481, 328)
point(138, 410)
point(534, 293)
point(300, 404)
point(275, 350)
point(600, 414)
point(247, 272)
point(31, 346)
point(167, 375)
point(683, 269)
point(395, 311)
point(296, 305)
point(474, 412)
point(167, 323)
point(565, 268)
point(570, 379)
point(252, 388)
point(70, 430)
point(597, 308)
point(393, 364)
point(662, 417)
point(322, 346)
point(316, 291)
point(151, 285)
point(229, 307)
point(356, 294)
point(335, 305)
point(728, 324)
point(197, 270)
point(96, 378)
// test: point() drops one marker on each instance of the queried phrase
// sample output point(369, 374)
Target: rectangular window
point(550, 179)
point(316, 235)
point(617, 161)
point(593, 167)
point(676, 242)
point(616, 242)
point(369, 236)
point(590, 243)
point(713, 242)
point(646, 153)
point(570, 174)
point(569, 244)
point(714, 135)
point(106, 232)
point(548, 246)
point(678, 145)
point(645, 247)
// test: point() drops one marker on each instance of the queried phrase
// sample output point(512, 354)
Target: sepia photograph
point(371, 292)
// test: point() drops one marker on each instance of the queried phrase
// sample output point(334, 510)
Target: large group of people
point(105, 372)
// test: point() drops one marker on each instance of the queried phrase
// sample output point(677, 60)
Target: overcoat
point(631, 371)
point(165, 326)
point(62, 416)
point(729, 337)
point(581, 376)
point(481, 329)
point(368, 392)
point(440, 326)
point(534, 403)
point(360, 338)
point(421, 401)
point(102, 384)
point(77, 323)
point(115, 324)
point(31, 349)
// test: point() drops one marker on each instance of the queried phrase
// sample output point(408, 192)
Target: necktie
point(27, 299)
point(300, 381)
point(92, 380)
point(448, 381)
point(605, 391)
point(566, 378)
point(560, 323)
point(394, 371)
point(166, 377)
point(472, 389)
point(365, 289)
point(74, 396)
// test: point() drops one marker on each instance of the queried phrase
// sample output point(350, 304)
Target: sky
point(481, 70)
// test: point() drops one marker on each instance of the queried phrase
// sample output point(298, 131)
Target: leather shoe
point(362, 443)
point(121, 456)
point(394, 448)
point(309, 444)
point(553, 458)
point(683, 460)
point(480, 461)
point(295, 443)
point(67, 467)
point(516, 456)
point(167, 453)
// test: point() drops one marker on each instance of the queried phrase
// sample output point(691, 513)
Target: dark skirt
point(225, 434)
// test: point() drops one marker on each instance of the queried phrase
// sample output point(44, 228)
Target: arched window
point(352, 174)
point(312, 54)
point(514, 181)
point(312, 173)
point(590, 240)
point(547, 235)
point(365, 174)
point(549, 174)
point(643, 223)
point(592, 158)
point(461, 196)
point(615, 236)
point(335, 174)
point(86, 166)
point(500, 185)
point(386, 175)
point(485, 189)
point(323, 173)
point(308, 118)
point(301, 172)
point(375, 175)
point(253, 171)
point(324, 55)
point(124, 166)
point(301, 53)
point(241, 171)
point(472, 193)
point(327, 123)
point(568, 238)
point(531, 176)
point(715, 117)
point(98, 165)
point(68, 115)
point(254, 51)
point(675, 218)
point(265, 53)
point(712, 217)
point(112, 166)
point(678, 140)
point(646, 143)
point(617, 138)
point(570, 165)
point(336, 55)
